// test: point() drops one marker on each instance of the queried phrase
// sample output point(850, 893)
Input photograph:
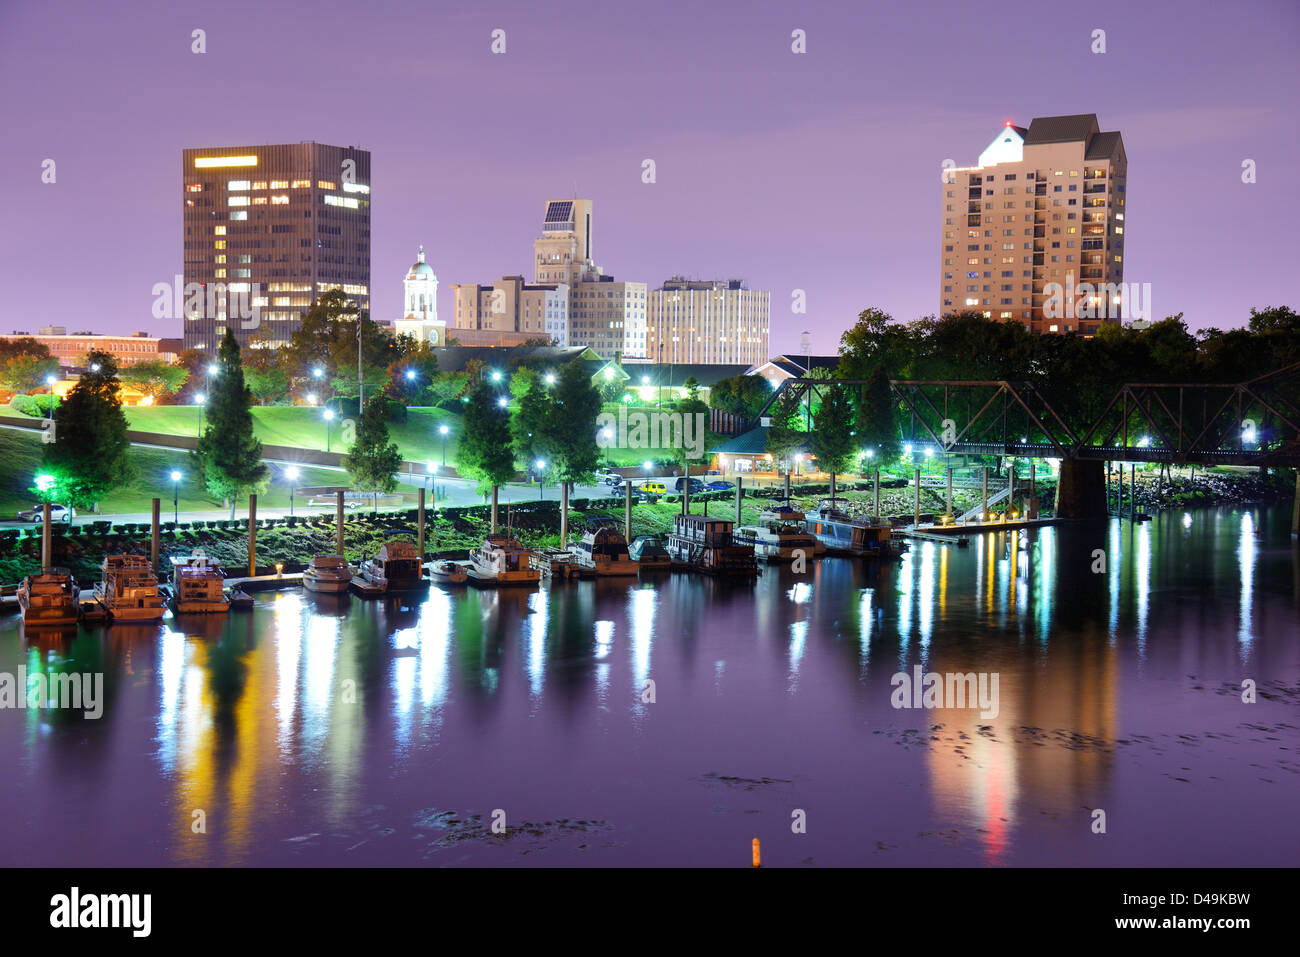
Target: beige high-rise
point(712, 322)
point(1041, 215)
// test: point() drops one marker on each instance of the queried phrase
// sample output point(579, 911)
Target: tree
point(874, 423)
point(485, 448)
point(741, 395)
point(413, 376)
point(155, 378)
point(533, 421)
point(572, 429)
point(784, 437)
point(832, 440)
point(265, 372)
point(26, 372)
point(373, 460)
point(88, 456)
point(326, 339)
point(230, 456)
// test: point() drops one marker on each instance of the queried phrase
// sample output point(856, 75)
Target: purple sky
point(817, 171)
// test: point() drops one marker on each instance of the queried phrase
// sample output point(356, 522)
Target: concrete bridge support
point(1081, 490)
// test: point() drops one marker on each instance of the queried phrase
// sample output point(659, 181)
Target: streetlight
point(606, 434)
point(329, 417)
point(176, 497)
point(311, 398)
point(410, 375)
point(550, 378)
point(541, 482)
point(503, 402)
point(496, 376)
point(199, 400)
point(443, 430)
point(49, 381)
point(291, 473)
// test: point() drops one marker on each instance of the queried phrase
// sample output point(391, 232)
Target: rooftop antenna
point(805, 345)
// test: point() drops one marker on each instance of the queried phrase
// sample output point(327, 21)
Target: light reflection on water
point(320, 729)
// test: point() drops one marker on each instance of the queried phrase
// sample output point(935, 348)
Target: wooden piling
point(252, 535)
point(564, 514)
point(45, 535)
point(494, 510)
point(338, 522)
point(877, 495)
point(155, 537)
point(949, 491)
point(787, 484)
point(419, 525)
point(917, 522)
point(739, 484)
point(832, 485)
point(984, 493)
point(757, 853)
point(627, 511)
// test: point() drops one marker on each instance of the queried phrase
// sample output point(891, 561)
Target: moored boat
point(502, 560)
point(604, 550)
point(705, 544)
point(128, 589)
point(198, 586)
point(396, 568)
point(449, 573)
point(328, 574)
point(777, 541)
point(49, 599)
point(844, 533)
point(650, 553)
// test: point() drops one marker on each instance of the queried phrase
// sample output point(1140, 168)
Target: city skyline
point(775, 159)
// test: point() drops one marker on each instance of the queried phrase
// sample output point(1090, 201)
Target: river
point(325, 731)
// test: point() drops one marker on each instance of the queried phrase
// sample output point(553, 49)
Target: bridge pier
point(1081, 490)
point(1295, 508)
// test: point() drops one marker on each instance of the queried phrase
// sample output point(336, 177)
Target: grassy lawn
point(22, 452)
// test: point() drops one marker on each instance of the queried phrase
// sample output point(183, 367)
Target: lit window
point(279, 184)
point(281, 199)
point(220, 230)
point(237, 184)
point(259, 200)
point(220, 274)
point(221, 162)
point(302, 184)
point(219, 244)
point(194, 188)
point(237, 201)
point(239, 215)
point(325, 184)
point(259, 184)
point(363, 188)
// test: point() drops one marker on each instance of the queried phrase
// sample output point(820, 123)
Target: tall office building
point(267, 230)
point(1034, 233)
point(715, 322)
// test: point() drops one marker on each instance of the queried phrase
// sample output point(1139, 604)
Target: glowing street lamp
point(199, 400)
point(607, 434)
point(503, 402)
point(291, 473)
point(410, 375)
point(329, 417)
point(311, 398)
point(496, 376)
point(550, 378)
point(541, 478)
point(176, 497)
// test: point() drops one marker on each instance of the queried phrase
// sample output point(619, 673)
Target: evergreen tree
point(571, 431)
point(533, 421)
point(231, 458)
point(784, 436)
point(373, 460)
point(832, 440)
point(88, 455)
point(485, 448)
point(875, 424)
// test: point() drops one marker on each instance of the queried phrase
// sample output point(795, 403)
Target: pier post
point(832, 485)
point(494, 509)
point(154, 539)
point(564, 514)
point(1295, 508)
point(917, 521)
point(984, 494)
point(45, 537)
point(419, 525)
point(1011, 488)
point(252, 535)
point(787, 486)
point(338, 522)
point(950, 491)
point(686, 493)
point(740, 482)
point(1132, 490)
point(627, 511)
point(877, 496)
point(1081, 490)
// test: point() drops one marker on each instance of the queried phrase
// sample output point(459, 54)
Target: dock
point(366, 589)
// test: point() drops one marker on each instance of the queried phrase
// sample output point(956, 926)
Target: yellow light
point(221, 162)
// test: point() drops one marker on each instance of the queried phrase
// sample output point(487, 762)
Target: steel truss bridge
point(1256, 422)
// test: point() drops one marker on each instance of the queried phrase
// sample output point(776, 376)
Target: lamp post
point(606, 434)
point(291, 473)
point(329, 417)
point(541, 482)
point(176, 497)
point(443, 430)
point(199, 400)
point(50, 381)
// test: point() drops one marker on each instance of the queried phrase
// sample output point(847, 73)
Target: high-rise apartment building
point(510, 305)
point(709, 322)
point(267, 230)
point(1034, 233)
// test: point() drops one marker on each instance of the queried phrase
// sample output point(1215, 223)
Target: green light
point(44, 482)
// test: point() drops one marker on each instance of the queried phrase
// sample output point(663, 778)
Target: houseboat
point(198, 586)
point(844, 533)
point(705, 544)
point(650, 552)
point(502, 560)
point(557, 563)
point(128, 589)
point(396, 568)
point(49, 600)
point(603, 549)
point(777, 541)
point(328, 574)
point(449, 573)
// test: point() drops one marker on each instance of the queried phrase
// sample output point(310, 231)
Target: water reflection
point(286, 727)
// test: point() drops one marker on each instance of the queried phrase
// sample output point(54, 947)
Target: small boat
point(329, 574)
point(556, 563)
point(396, 568)
point(844, 533)
point(198, 586)
point(49, 600)
point(786, 514)
point(128, 589)
point(603, 549)
point(502, 560)
point(239, 599)
point(705, 544)
point(650, 552)
point(449, 573)
point(777, 541)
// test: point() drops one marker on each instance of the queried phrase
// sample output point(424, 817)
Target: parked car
point(695, 485)
point(329, 501)
point(612, 477)
point(652, 488)
point(58, 513)
point(719, 486)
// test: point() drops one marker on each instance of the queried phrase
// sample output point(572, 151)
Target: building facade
point(420, 305)
point(70, 348)
point(1034, 232)
point(710, 322)
point(267, 230)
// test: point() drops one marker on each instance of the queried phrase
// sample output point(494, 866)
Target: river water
point(326, 731)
